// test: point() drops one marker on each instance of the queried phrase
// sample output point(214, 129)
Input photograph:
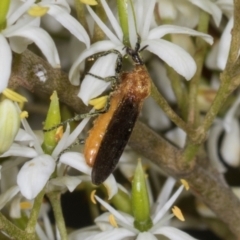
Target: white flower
point(172, 54)
point(125, 224)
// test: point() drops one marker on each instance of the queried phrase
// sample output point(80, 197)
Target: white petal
point(230, 148)
point(104, 28)
point(177, 136)
point(34, 175)
point(5, 62)
point(161, 31)
point(113, 21)
point(62, 143)
point(212, 146)
point(77, 161)
point(111, 186)
point(8, 195)
point(18, 12)
point(146, 235)
point(23, 136)
point(148, 14)
point(102, 46)
point(20, 151)
point(69, 23)
point(165, 193)
point(83, 233)
point(71, 182)
point(173, 233)
point(224, 45)
point(43, 40)
point(212, 56)
point(92, 87)
point(173, 55)
point(116, 213)
point(167, 205)
point(15, 208)
point(113, 234)
point(210, 8)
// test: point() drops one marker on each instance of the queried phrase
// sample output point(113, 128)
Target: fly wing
point(115, 139)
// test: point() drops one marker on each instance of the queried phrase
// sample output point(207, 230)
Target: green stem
point(161, 101)
point(199, 57)
point(34, 213)
point(55, 200)
point(122, 6)
point(13, 231)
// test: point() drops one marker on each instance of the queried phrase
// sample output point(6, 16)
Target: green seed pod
point(9, 124)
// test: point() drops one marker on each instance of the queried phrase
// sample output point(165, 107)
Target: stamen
point(185, 184)
point(177, 213)
point(92, 197)
point(99, 103)
point(59, 133)
point(37, 11)
point(112, 221)
point(89, 2)
point(25, 205)
point(24, 114)
point(10, 94)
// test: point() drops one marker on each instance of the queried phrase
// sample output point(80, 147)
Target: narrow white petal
point(92, 87)
point(71, 182)
point(43, 40)
point(101, 46)
point(146, 235)
point(77, 161)
point(113, 20)
point(177, 136)
point(5, 62)
point(8, 195)
point(210, 8)
point(174, 56)
point(161, 31)
point(73, 136)
point(20, 151)
point(104, 28)
point(62, 143)
point(69, 23)
point(116, 213)
point(230, 145)
point(165, 193)
point(224, 45)
point(15, 208)
point(173, 233)
point(113, 234)
point(34, 175)
point(167, 205)
point(148, 14)
point(83, 233)
point(18, 12)
point(36, 144)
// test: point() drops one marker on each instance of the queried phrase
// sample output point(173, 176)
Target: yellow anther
point(37, 11)
point(92, 197)
point(24, 114)
point(185, 184)
point(177, 213)
point(25, 205)
point(112, 220)
point(99, 103)
point(59, 133)
point(89, 2)
point(10, 94)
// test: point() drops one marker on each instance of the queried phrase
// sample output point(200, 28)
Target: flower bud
point(4, 6)
point(9, 124)
point(140, 201)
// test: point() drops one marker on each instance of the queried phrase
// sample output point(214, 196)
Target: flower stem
point(54, 198)
point(35, 212)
